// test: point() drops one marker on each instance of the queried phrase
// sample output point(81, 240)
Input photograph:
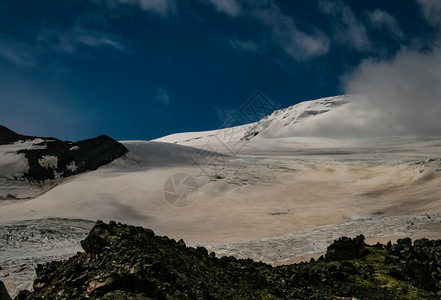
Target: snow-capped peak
point(297, 120)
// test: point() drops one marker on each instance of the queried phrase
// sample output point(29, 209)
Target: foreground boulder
point(127, 262)
point(346, 248)
point(3, 292)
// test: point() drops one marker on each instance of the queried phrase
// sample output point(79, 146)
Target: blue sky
point(142, 69)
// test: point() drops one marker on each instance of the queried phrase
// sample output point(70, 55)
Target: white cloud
point(383, 20)
point(284, 32)
point(431, 10)
point(230, 7)
point(346, 28)
point(78, 38)
point(160, 7)
point(405, 92)
point(162, 96)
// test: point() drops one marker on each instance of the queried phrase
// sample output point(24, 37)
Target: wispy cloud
point(345, 26)
point(72, 40)
point(162, 96)
point(230, 7)
point(285, 34)
point(382, 20)
point(159, 7)
point(17, 52)
point(35, 51)
point(280, 30)
point(244, 45)
point(431, 10)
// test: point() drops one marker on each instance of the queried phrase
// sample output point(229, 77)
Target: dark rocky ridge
point(127, 262)
point(72, 158)
point(7, 136)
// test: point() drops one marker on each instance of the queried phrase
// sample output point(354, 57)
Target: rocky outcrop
point(127, 262)
point(71, 158)
point(50, 158)
point(419, 263)
point(7, 136)
point(3, 292)
point(345, 248)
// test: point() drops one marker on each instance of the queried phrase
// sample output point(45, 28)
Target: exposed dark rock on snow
point(127, 262)
point(55, 158)
point(72, 158)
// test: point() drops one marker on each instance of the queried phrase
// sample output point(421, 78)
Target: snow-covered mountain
point(30, 165)
point(328, 117)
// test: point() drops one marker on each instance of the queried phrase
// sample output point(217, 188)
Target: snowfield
point(280, 191)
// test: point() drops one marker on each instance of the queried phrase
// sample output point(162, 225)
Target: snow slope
point(327, 117)
point(347, 119)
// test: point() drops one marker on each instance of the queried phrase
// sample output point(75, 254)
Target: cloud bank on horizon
point(74, 69)
point(403, 92)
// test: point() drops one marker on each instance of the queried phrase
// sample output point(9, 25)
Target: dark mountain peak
point(71, 158)
point(7, 136)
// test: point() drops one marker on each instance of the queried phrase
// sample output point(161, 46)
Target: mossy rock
point(128, 262)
